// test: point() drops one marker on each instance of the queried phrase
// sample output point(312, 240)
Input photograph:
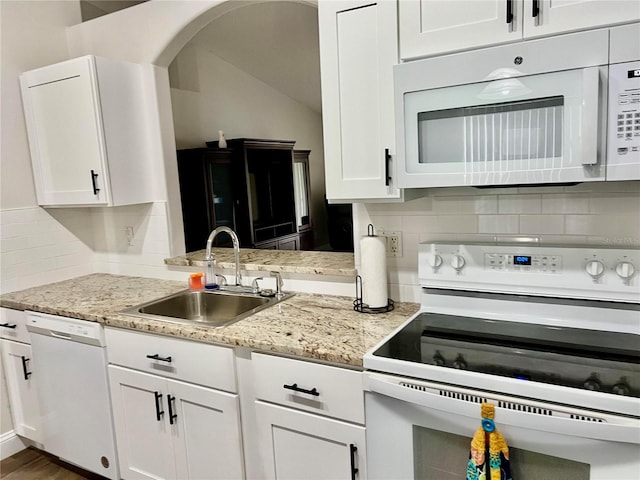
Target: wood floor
point(33, 464)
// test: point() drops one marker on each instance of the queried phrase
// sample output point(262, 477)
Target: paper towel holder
point(358, 304)
point(361, 307)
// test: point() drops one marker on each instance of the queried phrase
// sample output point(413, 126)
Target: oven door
point(421, 430)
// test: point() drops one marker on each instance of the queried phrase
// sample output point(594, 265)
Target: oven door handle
point(626, 431)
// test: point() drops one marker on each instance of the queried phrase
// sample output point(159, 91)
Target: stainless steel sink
point(211, 308)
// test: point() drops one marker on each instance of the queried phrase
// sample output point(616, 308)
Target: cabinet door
point(145, 447)
point(557, 17)
point(64, 124)
point(429, 27)
point(21, 385)
point(358, 46)
point(301, 446)
point(205, 425)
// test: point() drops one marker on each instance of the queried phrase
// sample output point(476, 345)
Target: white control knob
point(457, 262)
point(595, 268)
point(435, 261)
point(625, 270)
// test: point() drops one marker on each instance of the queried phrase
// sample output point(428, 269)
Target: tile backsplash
point(37, 247)
point(40, 246)
point(586, 214)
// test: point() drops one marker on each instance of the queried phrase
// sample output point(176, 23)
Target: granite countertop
point(284, 261)
point(320, 327)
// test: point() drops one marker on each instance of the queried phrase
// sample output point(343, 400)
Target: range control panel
point(529, 268)
point(523, 262)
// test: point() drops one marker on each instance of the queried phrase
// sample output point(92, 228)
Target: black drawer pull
point(7, 325)
point(295, 388)
point(155, 356)
point(94, 177)
point(535, 8)
point(387, 160)
point(159, 412)
point(172, 415)
point(509, 11)
point(353, 451)
point(25, 371)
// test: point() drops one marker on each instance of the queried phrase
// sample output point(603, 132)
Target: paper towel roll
point(373, 271)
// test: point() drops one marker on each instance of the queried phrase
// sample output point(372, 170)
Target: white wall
point(214, 95)
point(39, 245)
point(587, 214)
point(32, 35)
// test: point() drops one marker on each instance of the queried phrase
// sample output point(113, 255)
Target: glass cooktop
point(590, 359)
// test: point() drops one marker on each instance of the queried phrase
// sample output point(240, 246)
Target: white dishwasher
point(70, 359)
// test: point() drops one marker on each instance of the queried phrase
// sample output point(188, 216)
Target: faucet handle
point(279, 282)
point(255, 288)
point(223, 280)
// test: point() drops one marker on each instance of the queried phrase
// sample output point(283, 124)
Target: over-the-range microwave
point(564, 109)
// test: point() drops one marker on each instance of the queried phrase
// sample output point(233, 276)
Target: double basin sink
point(211, 308)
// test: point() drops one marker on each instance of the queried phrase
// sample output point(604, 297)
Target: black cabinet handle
point(353, 451)
point(535, 8)
point(155, 356)
point(24, 367)
point(7, 325)
point(172, 415)
point(387, 161)
point(94, 177)
point(159, 412)
point(509, 11)
point(295, 388)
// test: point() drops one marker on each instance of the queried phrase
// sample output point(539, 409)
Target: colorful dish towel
point(488, 448)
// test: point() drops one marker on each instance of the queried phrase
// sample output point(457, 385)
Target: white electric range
point(548, 334)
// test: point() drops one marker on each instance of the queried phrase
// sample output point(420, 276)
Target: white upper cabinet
point(430, 27)
point(547, 17)
point(86, 125)
point(358, 46)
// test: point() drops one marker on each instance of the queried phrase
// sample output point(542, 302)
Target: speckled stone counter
point(320, 327)
point(285, 261)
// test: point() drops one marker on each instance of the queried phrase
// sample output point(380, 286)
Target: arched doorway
point(152, 34)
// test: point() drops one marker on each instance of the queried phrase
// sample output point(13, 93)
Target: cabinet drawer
point(331, 391)
point(13, 325)
point(193, 362)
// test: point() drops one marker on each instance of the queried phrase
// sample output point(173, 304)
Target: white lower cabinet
point(309, 419)
point(175, 408)
point(21, 379)
point(21, 385)
point(296, 445)
point(167, 429)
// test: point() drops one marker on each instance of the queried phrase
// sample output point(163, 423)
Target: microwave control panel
point(624, 81)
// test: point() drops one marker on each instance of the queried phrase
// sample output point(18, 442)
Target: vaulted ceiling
point(275, 41)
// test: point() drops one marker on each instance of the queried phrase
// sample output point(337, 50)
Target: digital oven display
point(522, 260)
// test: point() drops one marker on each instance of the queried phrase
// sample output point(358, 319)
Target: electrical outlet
point(128, 231)
point(394, 242)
